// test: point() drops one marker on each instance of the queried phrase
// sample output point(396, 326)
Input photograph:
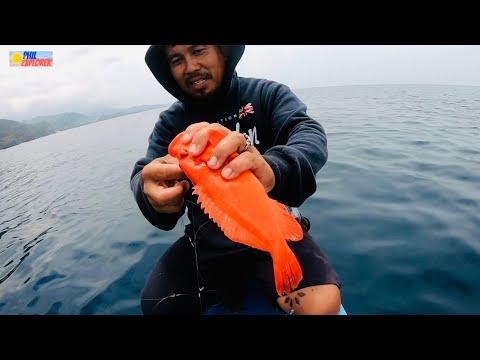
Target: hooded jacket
point(292, 143)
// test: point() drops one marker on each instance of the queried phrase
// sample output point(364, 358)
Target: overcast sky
point(86, 77)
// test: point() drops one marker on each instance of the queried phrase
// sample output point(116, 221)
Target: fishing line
point(200, 279)
point(194, 244)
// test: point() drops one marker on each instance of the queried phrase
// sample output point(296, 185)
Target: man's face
point(198, 69)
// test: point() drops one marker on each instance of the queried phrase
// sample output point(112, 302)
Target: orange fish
point(263, 224)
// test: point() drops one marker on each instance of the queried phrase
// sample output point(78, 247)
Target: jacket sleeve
point(157, 147)
point(299, 148)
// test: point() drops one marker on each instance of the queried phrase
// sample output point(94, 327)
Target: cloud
point(86, 77)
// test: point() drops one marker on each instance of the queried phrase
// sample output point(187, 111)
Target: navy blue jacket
point(293, 144)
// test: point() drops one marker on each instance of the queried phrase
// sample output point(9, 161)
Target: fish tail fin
point(286, 269)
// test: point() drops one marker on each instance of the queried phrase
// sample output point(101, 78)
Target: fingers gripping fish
point(265, 225)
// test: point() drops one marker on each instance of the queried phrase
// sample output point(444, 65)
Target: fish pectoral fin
point(289, 225)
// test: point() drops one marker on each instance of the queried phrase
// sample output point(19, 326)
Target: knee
point(312, 300)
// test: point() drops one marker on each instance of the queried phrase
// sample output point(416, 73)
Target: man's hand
point(249, 159)
point(162, 185)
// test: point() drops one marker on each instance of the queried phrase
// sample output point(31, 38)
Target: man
point(204, 267)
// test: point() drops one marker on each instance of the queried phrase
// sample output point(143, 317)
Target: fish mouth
point(179, 152)
point(176, 148)
point(183, 152)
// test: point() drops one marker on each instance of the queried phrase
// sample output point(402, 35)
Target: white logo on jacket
point(242, 112)
point(251, 132)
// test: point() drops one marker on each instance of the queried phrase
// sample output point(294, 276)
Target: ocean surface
point(397, 209)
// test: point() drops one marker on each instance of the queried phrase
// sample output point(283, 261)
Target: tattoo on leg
point(296, 297)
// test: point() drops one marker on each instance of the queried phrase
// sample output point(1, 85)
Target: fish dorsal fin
point(229, 225)
point(290, 228)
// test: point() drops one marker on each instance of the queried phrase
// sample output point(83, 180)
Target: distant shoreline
point(13, 132)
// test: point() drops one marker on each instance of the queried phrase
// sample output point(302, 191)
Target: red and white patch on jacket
point(245, 110)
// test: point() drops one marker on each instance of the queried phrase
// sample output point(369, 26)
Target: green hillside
point(15, 132)
point(63, 121)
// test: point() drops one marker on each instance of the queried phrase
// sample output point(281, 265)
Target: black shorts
point(189, 277)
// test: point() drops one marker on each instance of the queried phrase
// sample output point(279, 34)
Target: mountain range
point(16, 132)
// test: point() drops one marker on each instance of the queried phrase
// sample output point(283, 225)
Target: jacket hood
point(157, 62)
